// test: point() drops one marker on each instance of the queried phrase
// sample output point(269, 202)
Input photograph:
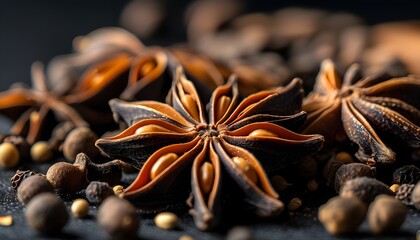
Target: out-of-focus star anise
point(176, 143)
point(365, 108)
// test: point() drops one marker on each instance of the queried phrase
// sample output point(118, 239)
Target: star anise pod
point(365, 109)
point(176, 142)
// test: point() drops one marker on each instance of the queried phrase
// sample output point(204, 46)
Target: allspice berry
point(166, 220)
point(41, 152)
point(351, 171)
point(364, 188)
point(342, 215)
point(67, 178)
point(46, 213)
point(32, 186)
point(80, 208)
point(96, 192)
point(118, 218)
point(80, 139)
point(9, 155)
point(386, 215)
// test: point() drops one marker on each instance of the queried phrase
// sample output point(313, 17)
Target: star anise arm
point(328, 79)
point(15, 101)
point(165, 174)
point(388, 120)
point(359, 130)
point(274, 145)
point(206, 184)
point(139, 141)
point(256, 187)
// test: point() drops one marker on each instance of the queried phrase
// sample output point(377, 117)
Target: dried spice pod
point(363, 106)
point(118, 218)
point(342, 215)
point(233, 137)
point(409, 174)
point(46, 213)
point(386, 215)
point(404, 194)
point(19, 176)
point(415, 196)
point(351, 171)
point(32, 186)
point(97, 192)
point(364, 188)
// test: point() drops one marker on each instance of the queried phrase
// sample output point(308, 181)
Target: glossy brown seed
point(206, 177)
point(342, 215)
point(386, 215)
point(262, 133)
point(222, 105)
point(151, 128)
point(246, 168)
point(190, 105)
point(162, 163)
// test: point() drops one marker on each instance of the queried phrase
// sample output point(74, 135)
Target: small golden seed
point(221, 106)
point(246, 168)
point(262, 133)
point(166, 220)
point(394, 187)
point(118, 189)
point(190, 105)
point(6, 220)
point(41, 152)
point(9, 155)
point(151, 128)
point(186, 237)
point(344, 157)
point(279, 183)
point(294, 204)
point(206, 177)
point(162, 163)
point(80, 208)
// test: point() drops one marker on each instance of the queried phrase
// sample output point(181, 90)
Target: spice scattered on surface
point(364, 188)
point(79, 208)
point(9, 155)
point(6, 220)
point(97, 192)
point(41, 152)
point(166, 220)
point(32, 186)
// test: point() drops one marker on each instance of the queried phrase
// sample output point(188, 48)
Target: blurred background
point(40, 30)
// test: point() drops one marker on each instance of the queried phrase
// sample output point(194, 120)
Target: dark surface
point(302, 225)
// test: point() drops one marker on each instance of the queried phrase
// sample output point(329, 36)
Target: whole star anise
point(365, 109)
point(175, 142)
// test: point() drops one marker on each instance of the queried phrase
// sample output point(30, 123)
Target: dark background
point(41, 29)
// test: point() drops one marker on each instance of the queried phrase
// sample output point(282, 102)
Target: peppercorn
point(166, 220)
point(351, 171)
point(80, 208)
point(366, 189)
point(404, 193)
point(80, 139)
point(342, 215)
point(96, 192)
point(32, 186)
point(41, 152)
point(9, 155)
point(386, 214)
point(330, 170)
point(415, 196)
point(408, 174)
point(46, 213)
point(239, 233)
point(294, 204)
point(118, 218)
point(67, 178)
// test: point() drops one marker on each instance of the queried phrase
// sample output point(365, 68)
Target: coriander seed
point(80, 208)
point(166, 220)
point(9, 155)
point(41, 152)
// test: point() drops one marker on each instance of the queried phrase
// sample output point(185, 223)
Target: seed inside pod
point(221, 106)
point(262, 133)
point(206, 177)
point(190, 105)
point(151, 128)
point(246, 168)
point(162, 163)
